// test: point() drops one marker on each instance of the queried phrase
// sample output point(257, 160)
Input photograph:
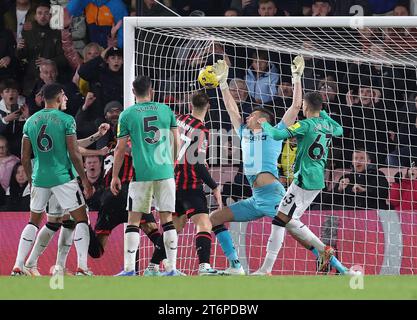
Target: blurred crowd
point(377, 109)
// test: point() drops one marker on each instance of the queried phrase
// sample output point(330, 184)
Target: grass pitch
point(210, 288)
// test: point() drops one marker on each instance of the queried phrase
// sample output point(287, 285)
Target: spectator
point(407, 137)
point(7, 162)
point(20, 16)
point(112, 112)
point(93, 168)
point(284, 96)
point(8, 59)
point(371, 128)
point(321, 8)
point(403, 192)
point(267, 8)
point(365, 187)
point(18, 193)
point(100, 18)
point(105, 76)
point(48, 73)
point(39, 44)
point(13, 114)
point(262, 78)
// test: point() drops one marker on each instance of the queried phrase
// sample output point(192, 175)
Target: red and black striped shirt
point(126, 173)
point(191, 168)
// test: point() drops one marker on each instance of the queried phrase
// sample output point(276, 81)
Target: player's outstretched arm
point(338, 129)
point(119, 153)
point(297, 69)
point(276, 134)
point(26, 154)
point(222, 70)
point(102, 130)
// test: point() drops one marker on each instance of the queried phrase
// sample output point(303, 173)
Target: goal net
point(365, 70)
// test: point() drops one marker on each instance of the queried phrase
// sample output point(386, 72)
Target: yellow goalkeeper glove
point(221, 69)
point(297, 69)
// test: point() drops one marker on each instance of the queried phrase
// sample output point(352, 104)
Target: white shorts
point(296, 201)
point(68, 196)
point(139, 198)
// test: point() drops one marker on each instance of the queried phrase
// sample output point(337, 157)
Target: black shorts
point(113, 211)
point(190, 202)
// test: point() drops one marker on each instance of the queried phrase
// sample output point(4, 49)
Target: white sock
point(275, 242)
point(66, 237)
point(27, 238)
point(82, 240)
point(304, 233)
point(42, 240)
point(132, 240)
point(171, 243)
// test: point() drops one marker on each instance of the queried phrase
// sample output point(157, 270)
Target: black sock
point(159, 250)
point(203, 246)
point(154, 235)
point(95, 249)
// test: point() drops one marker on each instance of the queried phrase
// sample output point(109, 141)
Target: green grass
point(210, 288)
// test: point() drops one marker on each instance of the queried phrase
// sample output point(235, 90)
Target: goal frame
point(131, 23)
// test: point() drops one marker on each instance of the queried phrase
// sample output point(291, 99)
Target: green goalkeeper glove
point(297, 69)
point(221, 69)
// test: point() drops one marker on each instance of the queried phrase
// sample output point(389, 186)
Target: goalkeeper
point(260, 155)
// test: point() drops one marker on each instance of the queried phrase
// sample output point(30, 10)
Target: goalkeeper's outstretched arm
point(297, 69)
point(222, 69)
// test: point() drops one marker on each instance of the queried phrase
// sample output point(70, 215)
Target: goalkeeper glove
point(297, 69)
point(221, 69)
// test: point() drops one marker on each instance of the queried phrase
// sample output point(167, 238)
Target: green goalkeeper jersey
point(47, 130)
point(313, 141)
point(148, 125)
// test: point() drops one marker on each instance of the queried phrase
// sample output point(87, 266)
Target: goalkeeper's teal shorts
point(264, 202)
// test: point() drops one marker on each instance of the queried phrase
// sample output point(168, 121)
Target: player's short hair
point(50, 91)
point(314, 101)
point(141, 85)
point(200, 100)
point(266, 114)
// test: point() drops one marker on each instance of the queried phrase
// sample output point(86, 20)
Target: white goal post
point(347, 56)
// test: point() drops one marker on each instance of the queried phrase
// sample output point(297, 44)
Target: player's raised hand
point(218, 196)
point(115, 186)
point(103, 128)
point(221, 69)
point(297, 68)
point(88, 189)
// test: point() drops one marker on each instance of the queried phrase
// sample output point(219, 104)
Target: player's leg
point(65, 241)
point(243, 210)
point(164, 193)
point(203, 241)
point(195, 204)
point(38, 201)
point(139, 200)
point(71, 199)
point(294, 228)
point(43, 238)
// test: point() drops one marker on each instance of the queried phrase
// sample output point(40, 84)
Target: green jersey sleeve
point(122, 130)
point(70, 127)
point(296, 129)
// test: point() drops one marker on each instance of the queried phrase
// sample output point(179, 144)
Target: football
point(207, 78)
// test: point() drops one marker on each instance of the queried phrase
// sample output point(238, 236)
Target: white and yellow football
point(207, 78)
